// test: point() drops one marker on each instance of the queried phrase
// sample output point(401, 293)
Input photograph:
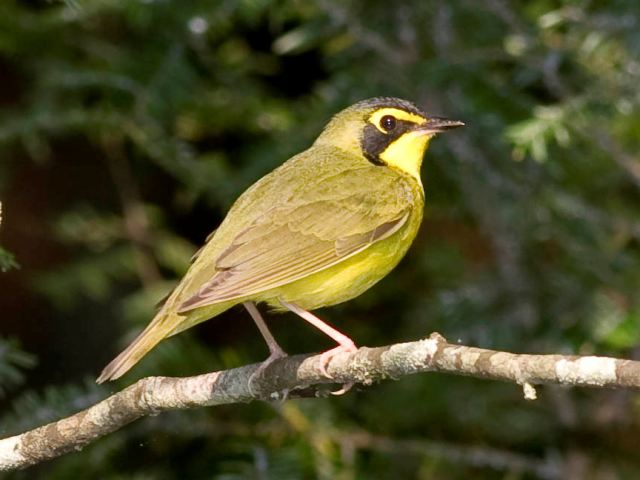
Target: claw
point(345, 388)
point(326, 357)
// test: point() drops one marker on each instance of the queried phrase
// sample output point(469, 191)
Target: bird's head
point(387, 131)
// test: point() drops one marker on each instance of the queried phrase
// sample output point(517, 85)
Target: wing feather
point(292, 241)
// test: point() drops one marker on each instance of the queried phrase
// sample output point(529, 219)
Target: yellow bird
point(319, 230)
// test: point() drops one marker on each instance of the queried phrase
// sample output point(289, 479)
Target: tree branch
point(294, 377)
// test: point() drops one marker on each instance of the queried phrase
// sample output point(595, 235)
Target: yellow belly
point(350, 278)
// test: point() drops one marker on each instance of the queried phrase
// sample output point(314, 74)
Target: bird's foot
point(276, 354)
point(345, 344)
point(325, 359)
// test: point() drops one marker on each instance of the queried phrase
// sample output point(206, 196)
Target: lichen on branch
point(299, 376)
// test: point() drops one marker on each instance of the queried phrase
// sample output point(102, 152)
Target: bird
point(319, 230)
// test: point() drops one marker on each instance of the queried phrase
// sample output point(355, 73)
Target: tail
point(165, 324)
point(161, 327)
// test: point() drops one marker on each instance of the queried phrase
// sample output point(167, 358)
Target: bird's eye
point(388, 123)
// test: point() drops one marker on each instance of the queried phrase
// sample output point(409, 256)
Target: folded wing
point(292, 241)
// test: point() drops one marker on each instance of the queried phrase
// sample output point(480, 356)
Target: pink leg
point(345, 344)
point(275, 350)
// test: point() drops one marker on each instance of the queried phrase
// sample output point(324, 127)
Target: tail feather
point(156, 331)
point(166, 323)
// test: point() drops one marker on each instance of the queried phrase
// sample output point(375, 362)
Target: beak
point(436, 125)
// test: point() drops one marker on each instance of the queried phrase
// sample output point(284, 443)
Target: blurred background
point(127, 129)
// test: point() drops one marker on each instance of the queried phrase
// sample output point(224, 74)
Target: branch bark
point(295, 376)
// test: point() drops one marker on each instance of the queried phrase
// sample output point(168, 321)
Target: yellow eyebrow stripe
point(399, 114)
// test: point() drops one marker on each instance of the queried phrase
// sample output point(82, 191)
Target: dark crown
point(388, 102)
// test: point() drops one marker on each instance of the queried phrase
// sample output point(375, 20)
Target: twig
point(294, 376)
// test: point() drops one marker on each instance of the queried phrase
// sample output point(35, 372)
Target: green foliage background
point(128, 128)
